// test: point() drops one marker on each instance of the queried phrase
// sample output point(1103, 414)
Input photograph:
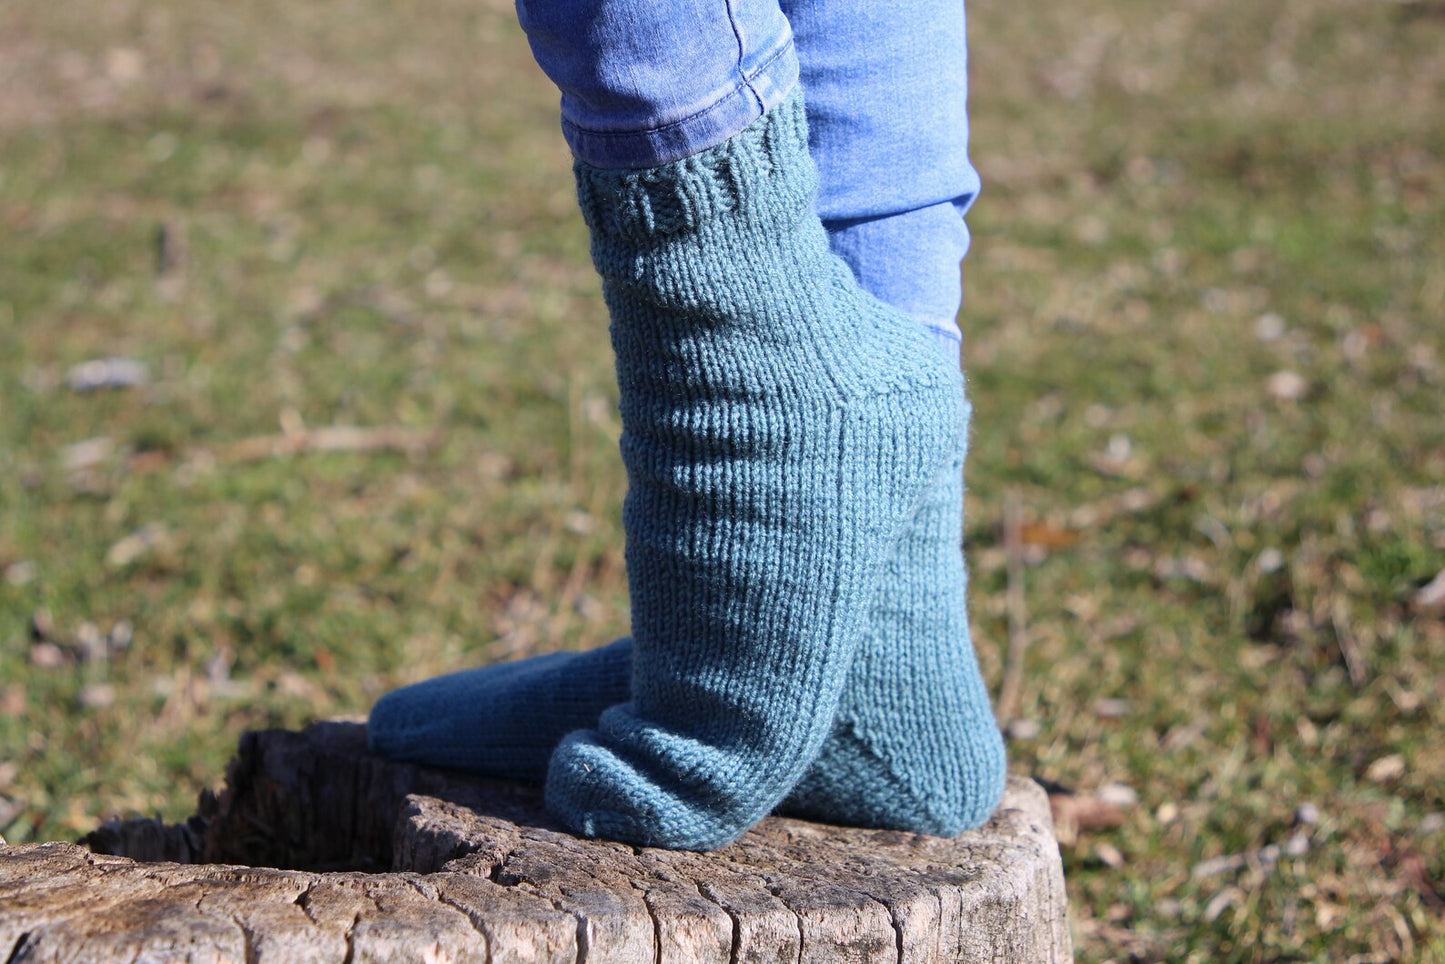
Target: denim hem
point(943, 329)
point(754, 95)
point(948, 340)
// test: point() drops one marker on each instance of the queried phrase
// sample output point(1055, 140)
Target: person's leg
point(910, 260)
point(887, 88)
point(652, 772)
point(643, 83)
point(780, 428)
point(914, 737)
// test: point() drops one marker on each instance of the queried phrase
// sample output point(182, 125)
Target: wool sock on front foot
point(914, 744)
point(780, 427)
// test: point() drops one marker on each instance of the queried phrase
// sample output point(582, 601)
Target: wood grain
point(318, 852)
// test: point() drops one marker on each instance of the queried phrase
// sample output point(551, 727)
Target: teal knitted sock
point(914, 744)
point(911, 745)
point(780, 430)
point(503, 720)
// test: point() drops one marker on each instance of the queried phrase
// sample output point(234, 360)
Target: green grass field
point(1206, 343)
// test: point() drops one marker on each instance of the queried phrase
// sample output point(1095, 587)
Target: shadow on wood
point(318, 852)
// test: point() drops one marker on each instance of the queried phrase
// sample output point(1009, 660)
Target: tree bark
point(318, 852)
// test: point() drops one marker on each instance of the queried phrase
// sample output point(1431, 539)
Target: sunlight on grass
point(374, 438)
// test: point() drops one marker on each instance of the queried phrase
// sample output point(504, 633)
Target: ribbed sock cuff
point(763, 168)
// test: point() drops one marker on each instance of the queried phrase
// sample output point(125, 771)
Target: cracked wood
point(318, 852)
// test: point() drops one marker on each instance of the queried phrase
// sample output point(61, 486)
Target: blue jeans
point(645, 82)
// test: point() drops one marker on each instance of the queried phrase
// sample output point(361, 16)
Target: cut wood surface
point(318, 852)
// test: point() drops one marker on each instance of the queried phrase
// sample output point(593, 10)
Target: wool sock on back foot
point(780, 428)
point(503, 720)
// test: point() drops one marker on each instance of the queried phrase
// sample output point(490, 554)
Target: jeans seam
point(742, 50)
point(746, 84)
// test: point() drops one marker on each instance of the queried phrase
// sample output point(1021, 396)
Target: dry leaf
point(1217, 865)
point(1430, 598)
point(1022, 729)
point(1286, 386)
point(1111, 709)
point(47, 655)
point(135, 545)
point(1220, 903)
point(80, 456)
point(96, 696)
point(1432, 892)
point(1047, 536)
point(13, 702)
point(1081, 813)
point(107, 373)
point(1386, 768)
point(1269, 326)
point(1117, 794)
point(21, 573)
point(1109, 854)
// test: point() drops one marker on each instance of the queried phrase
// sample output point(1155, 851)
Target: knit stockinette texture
point(781, 429)
point(503, 720)
point(912, 744)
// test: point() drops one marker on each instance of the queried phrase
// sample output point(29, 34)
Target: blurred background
point(305, 393)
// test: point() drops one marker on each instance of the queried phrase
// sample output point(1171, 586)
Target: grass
point(347, 214)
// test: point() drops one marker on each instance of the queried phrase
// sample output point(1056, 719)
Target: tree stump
point(316, 851)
